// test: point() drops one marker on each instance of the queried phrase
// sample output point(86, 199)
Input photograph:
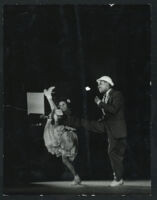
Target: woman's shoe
point(117, 183)
point(76, 180)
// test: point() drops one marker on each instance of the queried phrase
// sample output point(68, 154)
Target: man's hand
point(97, 100)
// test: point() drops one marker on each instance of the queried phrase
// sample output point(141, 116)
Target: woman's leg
point(71, 168)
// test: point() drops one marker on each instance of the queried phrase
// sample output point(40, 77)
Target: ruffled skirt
point(60, 141)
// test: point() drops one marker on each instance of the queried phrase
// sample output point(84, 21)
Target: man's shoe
point(117, 183)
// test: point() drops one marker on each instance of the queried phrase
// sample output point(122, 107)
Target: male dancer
point(112, 106)
point(113, 121)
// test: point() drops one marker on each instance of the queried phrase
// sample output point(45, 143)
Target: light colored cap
point(107, 79)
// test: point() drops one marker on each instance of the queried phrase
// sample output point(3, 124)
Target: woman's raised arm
point(48, 95)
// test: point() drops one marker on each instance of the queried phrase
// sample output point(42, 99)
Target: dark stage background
point(70, 47)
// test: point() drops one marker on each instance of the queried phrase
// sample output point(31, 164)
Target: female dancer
point(60, 140)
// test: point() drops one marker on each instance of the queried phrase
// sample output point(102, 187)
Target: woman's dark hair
point(66, 100)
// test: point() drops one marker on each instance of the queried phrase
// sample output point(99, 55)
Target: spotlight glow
point(87, 88)
point(111, 4)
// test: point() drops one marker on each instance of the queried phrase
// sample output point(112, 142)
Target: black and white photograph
point(77, 99)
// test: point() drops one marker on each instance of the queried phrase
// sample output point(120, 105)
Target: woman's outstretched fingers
point(51, 89)
point(48, 92)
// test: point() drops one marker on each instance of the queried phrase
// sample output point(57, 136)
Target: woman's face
point(63, 106)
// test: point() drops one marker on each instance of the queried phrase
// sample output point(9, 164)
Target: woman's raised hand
point(48, 92)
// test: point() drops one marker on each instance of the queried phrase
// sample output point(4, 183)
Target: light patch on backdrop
point(35, 103)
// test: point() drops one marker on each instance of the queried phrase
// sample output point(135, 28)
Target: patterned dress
point(60, 140)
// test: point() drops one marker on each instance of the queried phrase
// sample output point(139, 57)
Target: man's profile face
point(103, 86)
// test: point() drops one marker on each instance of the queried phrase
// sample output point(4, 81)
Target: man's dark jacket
point(114, 120)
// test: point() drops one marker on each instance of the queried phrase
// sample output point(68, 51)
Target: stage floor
point(86, 188)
